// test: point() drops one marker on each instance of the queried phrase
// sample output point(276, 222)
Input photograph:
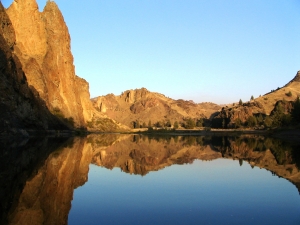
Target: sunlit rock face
point(143, 105)
point(43, 47)
point(21, 108)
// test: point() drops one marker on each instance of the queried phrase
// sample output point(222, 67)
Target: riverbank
point(289, 134)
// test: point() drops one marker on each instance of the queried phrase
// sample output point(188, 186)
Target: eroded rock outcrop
point(143, 105)
point(21, 108)
point(43, 46)
point(228, 116)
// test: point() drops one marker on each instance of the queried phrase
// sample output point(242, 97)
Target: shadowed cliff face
point(46, 197)
point(43, 47)
point(20, 106)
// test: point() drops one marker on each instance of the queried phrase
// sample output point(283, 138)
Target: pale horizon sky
point(206, 51)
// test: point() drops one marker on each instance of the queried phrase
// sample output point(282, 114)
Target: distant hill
point(143, 106)
point(266, 105)
point(289, 92)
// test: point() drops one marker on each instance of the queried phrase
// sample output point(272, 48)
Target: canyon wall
point(21, 108)
point(42, 45)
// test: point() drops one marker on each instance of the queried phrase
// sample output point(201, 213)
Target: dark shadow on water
point(19, 161)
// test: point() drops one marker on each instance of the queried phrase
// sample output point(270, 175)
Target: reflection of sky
point(207, 192)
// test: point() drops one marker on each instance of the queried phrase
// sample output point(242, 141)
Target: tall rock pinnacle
point(43, 47)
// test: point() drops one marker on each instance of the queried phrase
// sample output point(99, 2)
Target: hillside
point(269, 100)
point(266, 106)
point(143, 106)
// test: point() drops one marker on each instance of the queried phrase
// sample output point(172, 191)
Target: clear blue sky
point(216, 50)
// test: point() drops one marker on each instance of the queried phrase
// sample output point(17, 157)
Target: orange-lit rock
point(43, 47)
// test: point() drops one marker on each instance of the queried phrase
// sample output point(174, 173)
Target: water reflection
point(140, 154)
point(38, 177)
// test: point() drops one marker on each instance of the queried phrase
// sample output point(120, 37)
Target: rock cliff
point(21, 108)
point(43, 47)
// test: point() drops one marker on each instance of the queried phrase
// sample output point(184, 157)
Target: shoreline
point(288, 134)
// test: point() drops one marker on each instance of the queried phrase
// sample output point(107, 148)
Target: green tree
point(223, 123)
point(260, 119)
point(289, 94)
point(240, 102)
point(144, 125)
point(176, 125)
point(278, 115)
point(137, 124)
point(190, 124)
point(149, 123)
point(295, 113)
point(199, 123)
point(286, 119)
point(159, 124)
point(168, 123)
point(241, 162)
point(252, 98)
point(268, 122)
point(238, 123)
point(251, 121)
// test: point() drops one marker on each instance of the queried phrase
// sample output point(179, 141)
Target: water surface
point(136, 179)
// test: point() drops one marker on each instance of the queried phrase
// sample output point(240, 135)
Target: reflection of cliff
point(277, 156)
point(19, 160)
point(140, 154)
point(46, 197)
point(137, 154)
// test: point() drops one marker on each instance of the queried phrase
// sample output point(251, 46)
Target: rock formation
point(142, 105)
point(43, 46)
point(21, 108)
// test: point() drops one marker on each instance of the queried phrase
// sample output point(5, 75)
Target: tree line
point(187, 123)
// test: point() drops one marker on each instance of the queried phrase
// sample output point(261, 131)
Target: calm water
point(126, 179)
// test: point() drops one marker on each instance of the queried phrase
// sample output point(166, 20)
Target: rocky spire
point(43, 47)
